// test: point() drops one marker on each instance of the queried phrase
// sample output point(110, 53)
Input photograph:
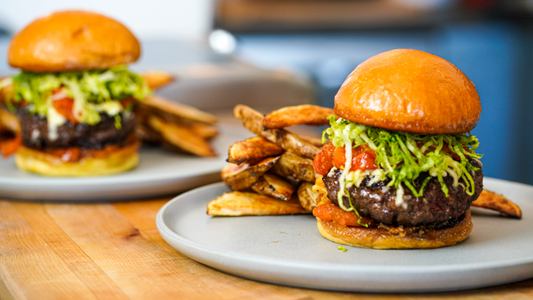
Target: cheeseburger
point(74, 95)
point(400, 169)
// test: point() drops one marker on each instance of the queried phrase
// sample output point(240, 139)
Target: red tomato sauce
point(363, 158)
point(330, 212)
point(10, 146)
point(64, 107)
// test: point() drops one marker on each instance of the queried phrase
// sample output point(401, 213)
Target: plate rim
point(117, 178)
point(131, 185)
point(316, 266)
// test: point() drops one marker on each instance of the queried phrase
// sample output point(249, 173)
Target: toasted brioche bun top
point(73, 41)
point(409, 90)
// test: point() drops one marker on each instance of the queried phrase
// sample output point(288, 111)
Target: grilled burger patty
point(377, 201)
point(35, 132)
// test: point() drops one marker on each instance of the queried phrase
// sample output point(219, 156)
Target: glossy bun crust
point(73, 41)
point(409, 90)
point(119, 161)
point(382, 239)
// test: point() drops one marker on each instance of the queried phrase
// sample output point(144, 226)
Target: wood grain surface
point(114, 251)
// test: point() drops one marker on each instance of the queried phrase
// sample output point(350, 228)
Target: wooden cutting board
point(114, 251)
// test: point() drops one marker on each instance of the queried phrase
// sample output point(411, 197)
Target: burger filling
point(396, 178)
point(79, 109)
point(35, 132)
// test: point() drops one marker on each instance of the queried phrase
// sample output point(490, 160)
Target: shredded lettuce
point(343, 249)
point(93, 91)
point(403, 156)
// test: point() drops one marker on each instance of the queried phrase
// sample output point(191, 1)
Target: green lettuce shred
point(403, 156)
point(91, 90)
point(343, 249)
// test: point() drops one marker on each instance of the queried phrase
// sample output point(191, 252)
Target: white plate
point(160, 172)
point(289, 250)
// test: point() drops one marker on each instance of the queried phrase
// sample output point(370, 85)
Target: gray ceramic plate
point(289, 250)
point(160, 172)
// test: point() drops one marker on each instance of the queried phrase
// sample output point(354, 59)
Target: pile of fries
point(272, 173)
point(176, 126)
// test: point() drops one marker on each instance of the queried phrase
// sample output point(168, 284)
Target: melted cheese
point(347, 166)
point(399, 197)
point(111, 107)
point(55, 120)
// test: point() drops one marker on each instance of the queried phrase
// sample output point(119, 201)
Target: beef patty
point(35, 132)
point(377, 201)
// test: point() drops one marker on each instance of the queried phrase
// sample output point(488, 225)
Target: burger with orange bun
point(400, 169)
point(74, 95)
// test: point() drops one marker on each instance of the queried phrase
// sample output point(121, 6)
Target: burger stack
point(76, 109)
point(74, 96)
point(401, 169)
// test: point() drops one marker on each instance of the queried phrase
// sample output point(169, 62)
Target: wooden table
point(114, 251)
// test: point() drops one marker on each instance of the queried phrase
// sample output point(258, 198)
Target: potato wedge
point(172, 111)
point(252, 150)
point(8, 121)
point(181, 137)
point(296, 167)
point(275, 186)
point(499, 203)
point(313, 141)
point(306, 195)
point(207, 131)
point(252, 204)
point(6, 91)
point(297, 115)
point(242, 177)
point(157, 79)
point(253, 120)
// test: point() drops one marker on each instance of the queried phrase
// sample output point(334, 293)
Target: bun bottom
point(42, 163)
point(378, 238)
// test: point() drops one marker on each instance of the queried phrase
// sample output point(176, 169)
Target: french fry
point(252, 204)
point(207, 131)
point(172, 111)
point(242, 177)
point(296, 167)
point(297, 115)
point(307, 197)
point(499, 203)
point(272, 185)
point(179, 137)
point(252, 150)
point(6, 91)
point(157, 79)
point(313, 141)
point(253, 120)
point(178, 127)
point(9, 122)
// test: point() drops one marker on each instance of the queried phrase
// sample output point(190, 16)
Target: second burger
point(74, 96)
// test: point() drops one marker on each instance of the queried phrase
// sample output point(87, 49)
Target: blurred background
point(285, 52)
